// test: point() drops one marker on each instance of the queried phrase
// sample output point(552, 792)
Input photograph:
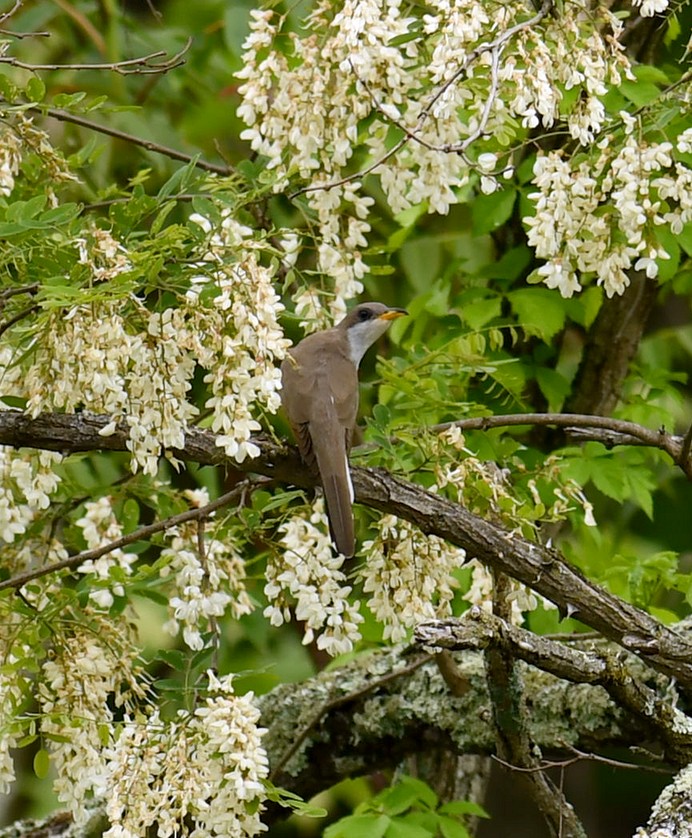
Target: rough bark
point(611, 344)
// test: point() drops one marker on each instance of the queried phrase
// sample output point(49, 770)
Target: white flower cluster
point(139, 367)
point(100, 527)
point(597, 216)
point(201, 775)
point(570, 53)
point(356, 80)
point(649, 8)
point(410, 576)
point(94, 361)
point(27, 480)
point(238, 339)
point(105, 256)
point(80, 684)
point(10, 158)
point(21, 139)
point(204, 586)
point(12, 696)
point(309, 575)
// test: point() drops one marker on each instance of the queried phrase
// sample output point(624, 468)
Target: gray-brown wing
point(295, 399)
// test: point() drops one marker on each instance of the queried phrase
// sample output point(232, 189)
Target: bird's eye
point(364, 314)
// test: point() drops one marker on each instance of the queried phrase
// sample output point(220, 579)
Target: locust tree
point(185, 190)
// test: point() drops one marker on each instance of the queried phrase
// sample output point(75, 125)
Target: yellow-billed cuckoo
point(320, 397)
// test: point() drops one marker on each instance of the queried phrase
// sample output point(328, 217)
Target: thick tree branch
point(537, 566)
point(362, 718)
point(671, 816)
point(598, 666)
point(514, 746)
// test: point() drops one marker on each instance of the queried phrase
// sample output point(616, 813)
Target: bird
point(320, 398)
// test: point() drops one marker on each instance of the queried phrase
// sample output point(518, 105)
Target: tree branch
point(598, 666)
point(143, 66)
point(140, 534)
point(370, 718)
point(541, 568)
point(150, 145)
point(671, 816)
point(612, 343)
point(603, 429)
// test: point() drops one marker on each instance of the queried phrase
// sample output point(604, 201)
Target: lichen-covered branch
point(598, 666)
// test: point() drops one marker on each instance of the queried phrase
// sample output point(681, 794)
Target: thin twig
point(12, 292)
point(686, 447)
point(581, 756)
point(21, 35)
point(25, 312)
point(137, 535)
point(123, 199)
point(631, 432)
point(495, 47)
point(173, 153)
point(131, 66)
point(15, 8)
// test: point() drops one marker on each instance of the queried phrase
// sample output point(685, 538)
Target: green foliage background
point(479, 341)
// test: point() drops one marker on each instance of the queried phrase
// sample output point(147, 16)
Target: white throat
point(361, 337)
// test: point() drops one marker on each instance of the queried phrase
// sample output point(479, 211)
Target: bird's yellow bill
point(393, 313)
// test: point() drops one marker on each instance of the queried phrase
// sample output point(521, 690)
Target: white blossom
point(201, 774)
point(409, 576)
point(310, 577)
point(204, 586)
point(99, 528)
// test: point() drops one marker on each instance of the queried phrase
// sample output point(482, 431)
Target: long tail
point(329, 446)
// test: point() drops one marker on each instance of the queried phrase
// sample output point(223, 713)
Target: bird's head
point(365, 323)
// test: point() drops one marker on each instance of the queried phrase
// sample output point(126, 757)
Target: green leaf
point(57, 216)
point(289, 800)
point(540, 311)
point(14, 401)
point(359, 826)
point(491, 211)
point(179, 180)
point(554, 386)
point(463, 807)
point(510, 265)
point(41, 764)
point(236, 27)
point(26, 210)
point(175, 658)
point(35, 89)
point(640, 93)
point(480, 312)
point(609, 477)
point(453, 829)
point(398, 798)
point(423, 791)
point(685, 238)
point(403, 829)
point(649, 73)
point(279, 500)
